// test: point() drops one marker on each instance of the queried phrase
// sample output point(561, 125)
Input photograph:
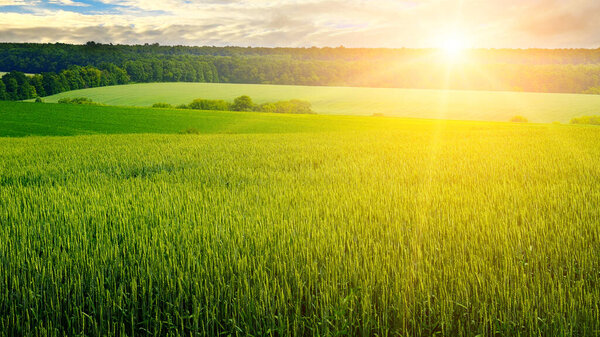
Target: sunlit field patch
point(414, 103)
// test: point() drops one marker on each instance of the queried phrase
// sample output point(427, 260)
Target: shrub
point(301, 107)
point(243, 103)
point(267, 107)
point(283, 107)
point(181, 106)
point(77, 100)
point(590, 120)
point(294, 106)
point(209, 104)
point(519, 119)
point(162, 105)
point(39, 100)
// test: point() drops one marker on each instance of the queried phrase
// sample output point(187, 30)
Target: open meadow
point(300, 168)
point(273, 225)
point(416, 103)
point(31, 119)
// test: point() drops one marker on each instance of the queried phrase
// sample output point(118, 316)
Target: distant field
point(460, 105)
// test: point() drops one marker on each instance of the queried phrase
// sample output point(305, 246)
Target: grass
point(399, 228)
point(458, 105)
point(27, 119)
point(35, 119)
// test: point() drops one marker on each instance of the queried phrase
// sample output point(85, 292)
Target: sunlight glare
point(452, 46)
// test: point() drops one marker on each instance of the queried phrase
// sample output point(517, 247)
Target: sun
point(453, 47)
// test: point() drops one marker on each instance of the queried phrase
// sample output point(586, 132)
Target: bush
point(182, 106)
point(301, 107)
point(519, 119)
point(589, 120)
point(267, 107)
point(39, 100)
point(77, 100)
point(209, 104)
point(294, 106)
point(283, 107)
point(243, 103)
point(162, 105)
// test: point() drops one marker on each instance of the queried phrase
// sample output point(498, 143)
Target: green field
point(458, 105)
point(295, 225)
point(31, 119)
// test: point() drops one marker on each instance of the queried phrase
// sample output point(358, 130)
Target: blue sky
point(298, 23)
point(84, 7)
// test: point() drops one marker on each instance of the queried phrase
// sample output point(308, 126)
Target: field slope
point(460, 105)
point(31, 119)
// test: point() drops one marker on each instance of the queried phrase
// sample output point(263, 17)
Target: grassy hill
point(29, 119)
point(460, 105)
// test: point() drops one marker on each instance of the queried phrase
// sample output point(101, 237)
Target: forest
point(62, 67)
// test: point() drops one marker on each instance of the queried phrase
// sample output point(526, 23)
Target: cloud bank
point(296, 23)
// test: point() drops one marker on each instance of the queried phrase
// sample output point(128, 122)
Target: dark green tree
point(243, 103)
point(11, 87)
point(26, 91)
point(3, 95)
point(37, 81)
point(53, 84)
point(17, 86)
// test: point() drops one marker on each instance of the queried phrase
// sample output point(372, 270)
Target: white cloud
point(68, 3)
point(353, 23)
point(14, 2)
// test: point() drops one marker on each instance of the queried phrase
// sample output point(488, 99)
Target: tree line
point(38, 57)
point(19, 86)
point(67, 67)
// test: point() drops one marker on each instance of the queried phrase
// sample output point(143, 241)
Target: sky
point(307, 23)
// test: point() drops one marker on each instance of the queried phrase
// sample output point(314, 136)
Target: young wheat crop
point(435, 228)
